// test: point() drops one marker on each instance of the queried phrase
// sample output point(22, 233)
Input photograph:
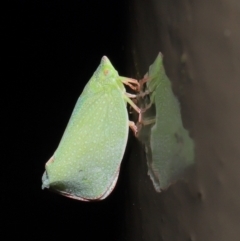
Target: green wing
point(87, 160)
point(170, 150)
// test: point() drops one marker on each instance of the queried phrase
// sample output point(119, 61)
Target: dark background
point(51, 49)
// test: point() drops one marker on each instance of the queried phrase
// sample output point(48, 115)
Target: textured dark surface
point(200, 43)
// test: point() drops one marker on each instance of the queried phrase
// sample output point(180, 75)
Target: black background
point(51, 49)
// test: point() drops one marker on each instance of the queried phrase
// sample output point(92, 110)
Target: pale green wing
point(87, 160)
point(170, 150)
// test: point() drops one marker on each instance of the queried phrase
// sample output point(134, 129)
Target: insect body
point(86, 164)
point(169, 148)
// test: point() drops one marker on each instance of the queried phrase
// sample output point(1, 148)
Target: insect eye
point(106, 71)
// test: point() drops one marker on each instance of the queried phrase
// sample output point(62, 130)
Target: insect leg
point(152, 100)
point(134, 106)
point(142, 81)
point(150, 92)
point(149, 121)
point(130, 82)
point(133, 127)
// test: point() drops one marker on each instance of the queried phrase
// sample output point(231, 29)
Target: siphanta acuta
point(86, 164)
point(169, 148)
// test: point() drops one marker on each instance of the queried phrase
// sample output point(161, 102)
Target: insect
point(86, 164)
point(169, 148)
